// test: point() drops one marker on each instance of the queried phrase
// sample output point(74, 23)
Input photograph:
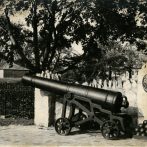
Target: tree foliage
point(55, 25)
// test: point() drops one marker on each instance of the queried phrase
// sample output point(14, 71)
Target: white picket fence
point(126, 86)
point(123, 84)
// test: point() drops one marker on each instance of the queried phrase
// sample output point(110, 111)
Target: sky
point(20, 19)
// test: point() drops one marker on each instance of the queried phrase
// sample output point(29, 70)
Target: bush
point(16, 100)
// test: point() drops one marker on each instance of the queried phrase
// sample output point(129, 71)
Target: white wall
point(1, 73)
point(41, 108)
point(142, 94)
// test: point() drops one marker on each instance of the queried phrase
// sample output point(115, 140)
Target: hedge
point(16, 100)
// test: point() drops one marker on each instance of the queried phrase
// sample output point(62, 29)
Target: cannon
point(94, 107)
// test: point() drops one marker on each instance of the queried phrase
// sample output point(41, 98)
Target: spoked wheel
point(110, 130)
point(82, 127)
point(82, 117)
point(78, 117)
point(62, 126)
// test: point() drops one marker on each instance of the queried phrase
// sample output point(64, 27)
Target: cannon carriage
point(97, 108)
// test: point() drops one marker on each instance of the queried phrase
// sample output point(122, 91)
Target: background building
point(16, 71)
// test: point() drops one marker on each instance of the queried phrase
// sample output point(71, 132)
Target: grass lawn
point(16, 121)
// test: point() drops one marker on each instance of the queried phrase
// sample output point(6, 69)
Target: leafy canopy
point(55, 25)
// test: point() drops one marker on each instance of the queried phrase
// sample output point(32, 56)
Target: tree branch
point(68, 68)
point(2, 56)
point(16, 45)
point(73, 66)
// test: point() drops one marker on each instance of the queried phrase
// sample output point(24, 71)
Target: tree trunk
point(35, 35)
point(130, 73)
point(110, 73)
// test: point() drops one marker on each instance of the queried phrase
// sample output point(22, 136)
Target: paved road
point(32, 135)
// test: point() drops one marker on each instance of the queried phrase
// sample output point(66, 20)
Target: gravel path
point(32, 135)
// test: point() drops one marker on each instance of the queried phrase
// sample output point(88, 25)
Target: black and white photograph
point(73, 73)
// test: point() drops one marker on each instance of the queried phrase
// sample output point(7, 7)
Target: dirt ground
point(35, 136)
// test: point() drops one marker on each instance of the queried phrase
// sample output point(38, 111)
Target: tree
point(53, 25)
point(57, 24)
point(117, 21)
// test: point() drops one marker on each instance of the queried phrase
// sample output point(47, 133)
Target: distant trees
point(100, 26)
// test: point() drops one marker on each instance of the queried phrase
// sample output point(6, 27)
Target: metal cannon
point(90, 108)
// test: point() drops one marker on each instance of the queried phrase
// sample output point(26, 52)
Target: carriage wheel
point(79, 117)
point(62, 126)
point(110, 130)
point(82, 127)
point(82, 117)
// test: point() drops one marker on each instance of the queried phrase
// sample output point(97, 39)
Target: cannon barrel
point(110, 100)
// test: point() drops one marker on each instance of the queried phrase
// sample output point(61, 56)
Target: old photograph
point(73, 73)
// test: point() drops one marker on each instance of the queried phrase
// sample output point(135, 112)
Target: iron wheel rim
point(62, 126)
point(110, 130)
